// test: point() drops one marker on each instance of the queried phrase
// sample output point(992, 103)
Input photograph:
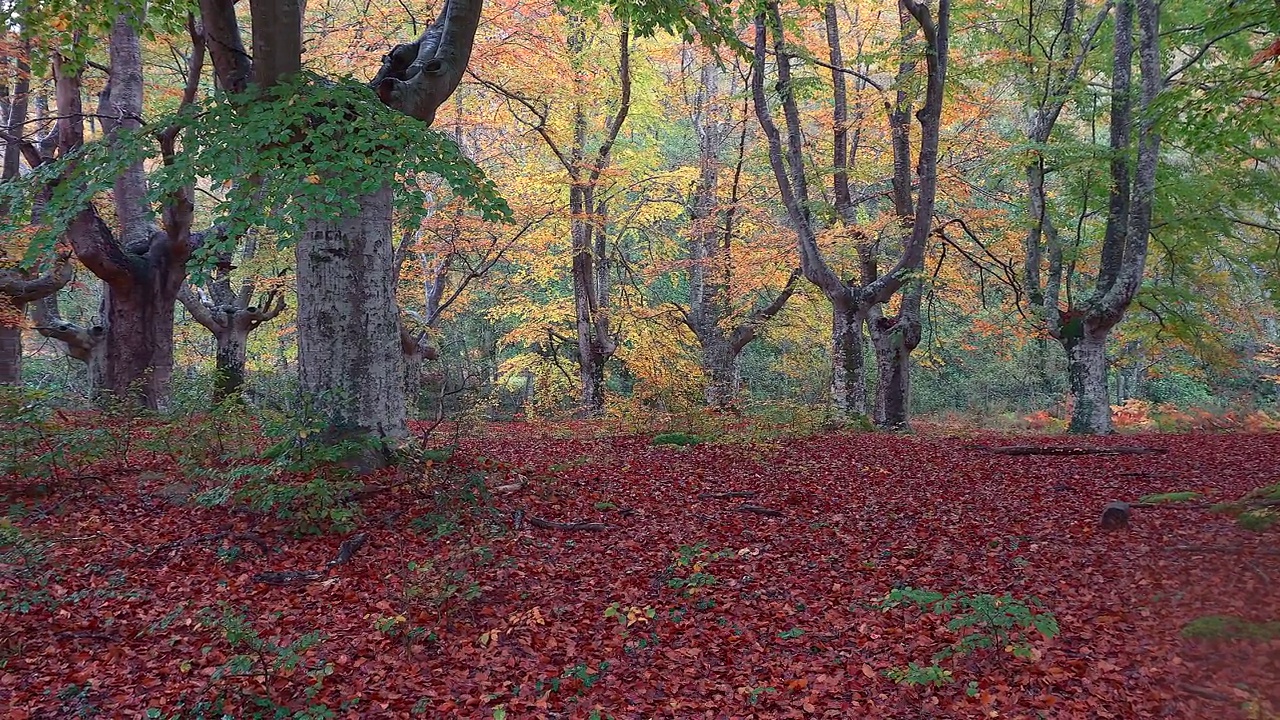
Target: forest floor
point(122, 600)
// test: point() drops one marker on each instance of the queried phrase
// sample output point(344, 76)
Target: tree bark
point(351, 365)
point(1087, 369)
point(350, 357)
point(848, 367)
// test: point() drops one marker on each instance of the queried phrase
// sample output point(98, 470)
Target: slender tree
point(596, 342)
point(19, 286)
point(713, 230)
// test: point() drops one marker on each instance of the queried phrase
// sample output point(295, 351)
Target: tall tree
point(350, 355)
point(853, 301)
point(713, 232)
point(1083, 328)
point(130, 351)
point(19, 286)
point(595, 341)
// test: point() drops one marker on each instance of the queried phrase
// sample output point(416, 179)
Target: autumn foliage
point(130, 590)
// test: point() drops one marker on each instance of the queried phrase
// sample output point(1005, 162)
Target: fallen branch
point(759, 510)
point(1229, 549)
point(1206, 693)
point(549, 525)
point(1050, 450)
point(731, 495)
point(287, 577)
point(347, 549)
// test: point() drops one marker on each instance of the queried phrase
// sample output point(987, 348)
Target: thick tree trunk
point(848, 371)
point(229, 362)
point(133, 362)
point(351, 365)
point(1087, 368)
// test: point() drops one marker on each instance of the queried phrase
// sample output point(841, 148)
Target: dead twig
point(214, 537)
point(760, 510)
point(1051, 450)
point(549, 525)
point(731, 495)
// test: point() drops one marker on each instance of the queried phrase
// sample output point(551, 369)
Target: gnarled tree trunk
point(142, 268)
point(17, 289)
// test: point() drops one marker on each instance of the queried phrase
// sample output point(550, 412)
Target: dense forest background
point(637, 180)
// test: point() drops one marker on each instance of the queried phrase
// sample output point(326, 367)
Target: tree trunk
point(724, 377)
point(893, 391)
point(848, 371)
point(351, 366)
point(228, 368)
point(1087, 368)
point(133, 362)
point(11, 352)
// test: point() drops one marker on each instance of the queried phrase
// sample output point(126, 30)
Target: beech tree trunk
point(848, 368)
point(11, 352)
point(854, 301)
point(893, 392)
point(1087, 369)
point(724, 376)
point(142, 268)
point(133, 362)
point(351, 365)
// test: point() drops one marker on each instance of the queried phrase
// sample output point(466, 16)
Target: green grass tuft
point(1171, 497)
point(1229, 627)
point(678, 438)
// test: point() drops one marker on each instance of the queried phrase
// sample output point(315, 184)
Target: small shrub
point(983, 621)
point(915, 674)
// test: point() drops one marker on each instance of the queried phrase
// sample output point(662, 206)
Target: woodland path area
point(684, 605)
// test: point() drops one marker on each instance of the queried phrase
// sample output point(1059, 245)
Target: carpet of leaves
point(499, 618)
